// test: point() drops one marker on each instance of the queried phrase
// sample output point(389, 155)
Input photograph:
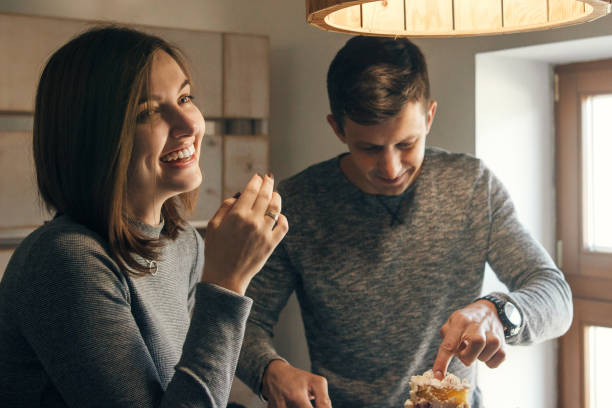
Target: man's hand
point(285, 386)
point(474, 332)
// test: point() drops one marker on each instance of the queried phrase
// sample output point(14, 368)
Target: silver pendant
point(152, 265)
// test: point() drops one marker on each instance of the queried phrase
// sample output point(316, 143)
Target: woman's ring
point(273, 215)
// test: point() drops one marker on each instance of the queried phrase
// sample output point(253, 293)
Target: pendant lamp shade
point(450, 18)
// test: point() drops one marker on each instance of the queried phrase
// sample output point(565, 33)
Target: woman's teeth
point(181, 154)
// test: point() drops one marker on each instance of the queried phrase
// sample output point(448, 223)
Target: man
point(387, 251)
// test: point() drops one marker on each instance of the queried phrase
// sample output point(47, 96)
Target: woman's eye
point(143, 116)
point(186, 99)
point(405, 146)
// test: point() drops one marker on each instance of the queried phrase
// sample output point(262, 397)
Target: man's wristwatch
point(508, 313)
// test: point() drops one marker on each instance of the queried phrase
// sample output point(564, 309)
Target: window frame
point(588, 273)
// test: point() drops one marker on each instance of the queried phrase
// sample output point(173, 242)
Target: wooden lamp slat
point(563, 10)
point(429, 16)
point(522, 13)
point(486, 17)
point(348, 17)
point(385, 15)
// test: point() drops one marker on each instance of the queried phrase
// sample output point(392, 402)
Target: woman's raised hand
point(242, 235)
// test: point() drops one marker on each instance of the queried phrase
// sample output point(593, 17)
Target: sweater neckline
point(356, 190)
point(149, 231)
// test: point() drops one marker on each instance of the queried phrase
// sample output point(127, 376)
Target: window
point(583, 115)
point(598, 358)
point(597, 171)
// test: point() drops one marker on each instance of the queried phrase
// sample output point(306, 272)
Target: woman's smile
point(183, 154)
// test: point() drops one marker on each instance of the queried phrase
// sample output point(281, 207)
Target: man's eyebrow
point(154, 97)
point(409, 139)
point(362, 143)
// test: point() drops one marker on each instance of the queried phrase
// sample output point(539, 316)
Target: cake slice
point(426, 391)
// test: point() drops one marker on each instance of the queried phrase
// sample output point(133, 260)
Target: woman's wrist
point(233, 284)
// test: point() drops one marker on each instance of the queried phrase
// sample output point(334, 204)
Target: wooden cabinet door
point(19, 208)
point(203, 51)
point(246, 76)
point(26, 43)
point(243, 156)
point(211, 189)
point(5, 256)
point(231, 80)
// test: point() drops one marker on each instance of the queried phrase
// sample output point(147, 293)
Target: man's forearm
point(257, 352)
point(546, 304)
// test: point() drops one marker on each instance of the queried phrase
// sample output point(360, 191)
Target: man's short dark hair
point(372, 78)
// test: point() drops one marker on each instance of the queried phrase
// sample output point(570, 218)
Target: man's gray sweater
point(75, 331)
point(377, 277)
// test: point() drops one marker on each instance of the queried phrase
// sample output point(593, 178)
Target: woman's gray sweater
point(75, 331)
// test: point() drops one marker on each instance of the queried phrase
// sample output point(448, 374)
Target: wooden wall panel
point(26, 53)
point(243, 157)
point(26, 43)
point(246, 79)
point(204, 53)
point(18, 202)
point(211, 189)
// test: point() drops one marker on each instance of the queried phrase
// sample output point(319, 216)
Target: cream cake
point(426, 391)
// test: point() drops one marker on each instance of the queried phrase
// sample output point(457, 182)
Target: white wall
point(300, 56)
point(515, 137)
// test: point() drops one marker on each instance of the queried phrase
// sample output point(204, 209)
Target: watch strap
point(510, 329)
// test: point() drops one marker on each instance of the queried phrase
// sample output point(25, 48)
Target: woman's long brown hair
point(84, 125)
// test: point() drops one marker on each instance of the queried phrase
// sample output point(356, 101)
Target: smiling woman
point(167, 140)
point(115, 302)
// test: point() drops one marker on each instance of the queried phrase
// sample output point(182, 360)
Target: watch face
point(512, 313)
